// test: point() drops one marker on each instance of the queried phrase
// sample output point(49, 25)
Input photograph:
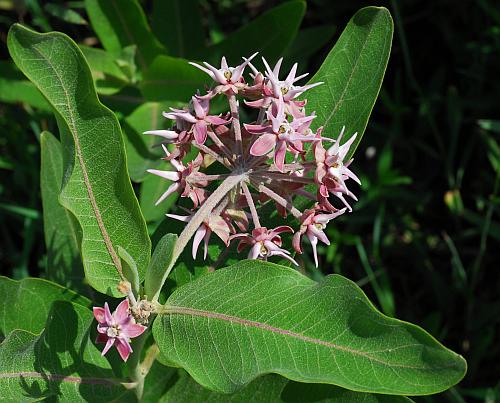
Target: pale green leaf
point(129, 269)
point(26, 303)
point(120, 23)
point(96, 186)
point(158, 265)
point(352, 74)
point(253, 318)
point(64, 13)
point(61, 363)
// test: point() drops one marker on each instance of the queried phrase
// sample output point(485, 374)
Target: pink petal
point(101, 338)
point(121, 313)
point(255, 129)
point(216, 120)
point(200, 132)
point(279, 155)
point(108, 345)
point(123, 347)
point(218, 75)
point(133, 330)
point(166, 134)
point(280, 229)
point(291, 76)
point(314, 242)
point(179, 217)
point(263, 145)
point(206, 238)
point(171, 189)
point(318, 234)
point(198, 237)
point(255, 251)
point(198, 109)
point(211, 74)
point(169, 175)
point(296, 242)
point(99, 314)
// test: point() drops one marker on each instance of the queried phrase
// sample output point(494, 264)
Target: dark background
point(424, 239)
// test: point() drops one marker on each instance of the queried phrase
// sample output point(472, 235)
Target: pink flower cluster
point(278, 156)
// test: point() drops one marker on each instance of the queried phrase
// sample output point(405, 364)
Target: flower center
point(113, 331)
point(284, 90)
point(228, 75)
point(282, 129)
point(320, 226)
point(263, 250)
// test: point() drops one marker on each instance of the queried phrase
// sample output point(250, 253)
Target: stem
point(283, 177)
point(251, 204)
point(201, 215)
point(280, 200)
point(134, 365)
point(221, 145)
point(233, 106)
point(212, 153)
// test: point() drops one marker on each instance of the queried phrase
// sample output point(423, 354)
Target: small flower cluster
point(278, 158)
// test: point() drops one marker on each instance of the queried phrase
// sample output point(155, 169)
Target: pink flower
point(117, 328)
point(264, 243)
point(198, 117)
point(186, 180)
point(229, 78)
point(312, 225)
point(279, 134)
point(213, 224)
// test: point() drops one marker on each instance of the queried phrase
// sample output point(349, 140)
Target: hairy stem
point(280, 200)
point(134, 365)
point(212, 153)
point(201, 215)
point(221, 145)
point(235, 114)
point(251, 204)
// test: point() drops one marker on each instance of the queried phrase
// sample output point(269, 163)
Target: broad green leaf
point(60, 363)
point(96, 186)
point(26, 303)
point(271, 388)
point(120, 23)
point(253, 318)
point(158, 265)
point(141, 155)
point(14, 88)
point(159, 379)
point(108, 77)
point(307, 42)
point(184, 34)
point(63, 234)
point(269, 34)
point(172, 79)
point(352, 74)
point(129, 269)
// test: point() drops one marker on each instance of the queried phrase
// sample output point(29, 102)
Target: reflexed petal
point(314, 243)
point(169, 175)
point(255, 251)
point(171, 189)
point(99, 314)
point(198, 109)
point(318, 234)
point(296, 242)
point(167, 134)
point(180, 217)
point(263, 145)
point(216, 120)
point(291, 76)
point(210, 73)
point(124, 348)
point(108, 345)
point(279, 155)
point(101, 338)
point(198, 237)
point(200, 132)
point(107, 314)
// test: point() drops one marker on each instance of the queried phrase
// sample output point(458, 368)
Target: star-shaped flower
point(117, 328)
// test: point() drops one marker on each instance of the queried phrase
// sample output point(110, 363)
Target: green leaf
point(184, 35)
point(63, 234)
point(14, 88)
point(352, 74)
point(158, 265)
point(60, 363)
point(269, 34)
point(172, 79)
point(26, 303)
point(152, 188)
point(96, 187)
point(129, 269)
point(253, 318)
point(120, 23)
point(271, 388)
point(108, 77)
point(307, 42)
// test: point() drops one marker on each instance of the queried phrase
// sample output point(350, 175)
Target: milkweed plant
point(259, 162)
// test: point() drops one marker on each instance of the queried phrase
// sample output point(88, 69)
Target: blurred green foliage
point(422, 239)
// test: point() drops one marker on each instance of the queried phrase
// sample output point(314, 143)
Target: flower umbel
point(117, 328)
point(267, 162)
